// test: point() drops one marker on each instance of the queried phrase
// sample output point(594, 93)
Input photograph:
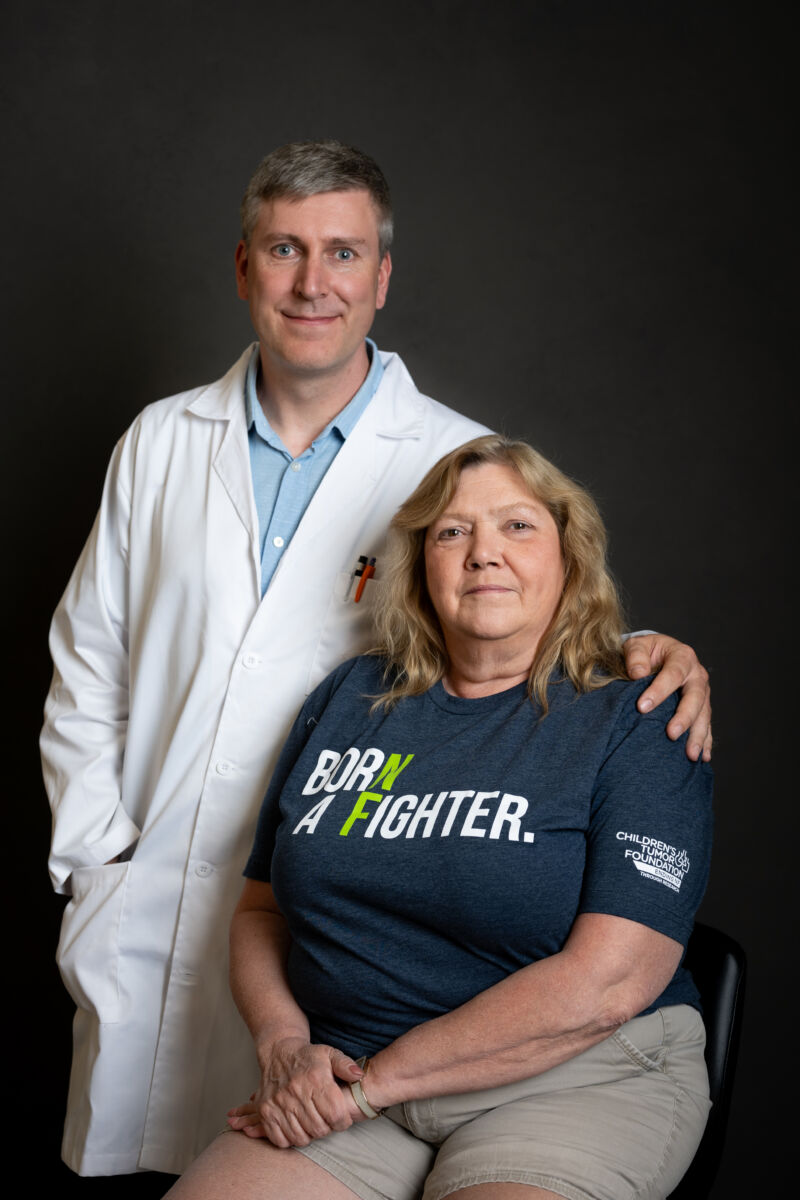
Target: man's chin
point(313, 357)
point(314, 364)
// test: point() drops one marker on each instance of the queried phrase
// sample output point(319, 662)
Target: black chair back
point(719, 967)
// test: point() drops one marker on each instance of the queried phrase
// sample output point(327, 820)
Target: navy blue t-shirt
point(422, 855)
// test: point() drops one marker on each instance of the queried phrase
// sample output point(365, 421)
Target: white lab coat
point(174, 687)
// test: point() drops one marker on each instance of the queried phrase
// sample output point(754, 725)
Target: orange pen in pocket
point(367, 573)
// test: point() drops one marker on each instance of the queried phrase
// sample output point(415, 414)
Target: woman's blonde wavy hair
point(583, 641)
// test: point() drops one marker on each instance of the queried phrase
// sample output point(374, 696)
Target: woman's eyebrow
point(526, 505)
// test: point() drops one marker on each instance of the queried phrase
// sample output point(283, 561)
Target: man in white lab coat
point(215, 590)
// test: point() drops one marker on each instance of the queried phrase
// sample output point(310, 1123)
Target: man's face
point(313, 279)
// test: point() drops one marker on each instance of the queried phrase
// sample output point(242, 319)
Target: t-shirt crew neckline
point(461, 706)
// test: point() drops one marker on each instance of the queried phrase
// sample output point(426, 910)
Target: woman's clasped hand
point(303, 1095)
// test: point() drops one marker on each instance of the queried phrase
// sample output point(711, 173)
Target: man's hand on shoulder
point(678, 667)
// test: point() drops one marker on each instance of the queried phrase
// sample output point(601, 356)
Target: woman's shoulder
point(608, 719)
point(362, 675)
point(615, 702)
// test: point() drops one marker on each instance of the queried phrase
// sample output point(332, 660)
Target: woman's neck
point(484, 670)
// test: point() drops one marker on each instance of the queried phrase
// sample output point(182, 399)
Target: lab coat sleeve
point(86, 712)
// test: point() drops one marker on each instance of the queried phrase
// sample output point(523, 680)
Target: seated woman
point(477, 865)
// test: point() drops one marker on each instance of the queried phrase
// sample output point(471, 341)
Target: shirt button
point(223, 767)
point(277, 541)
point(251, 661)
point(296, 466)
point(203, 868)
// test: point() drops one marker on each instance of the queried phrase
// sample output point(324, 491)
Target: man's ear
point(384, 271)
point(241, 259)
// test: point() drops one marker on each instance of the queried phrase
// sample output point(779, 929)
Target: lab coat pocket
point(88, 948)
point(348, 628)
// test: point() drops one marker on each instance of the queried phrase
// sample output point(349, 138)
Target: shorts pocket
point(88, 948)
point(644, 1041)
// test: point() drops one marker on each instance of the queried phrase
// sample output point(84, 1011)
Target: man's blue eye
point(283, 251)
point(344, 255)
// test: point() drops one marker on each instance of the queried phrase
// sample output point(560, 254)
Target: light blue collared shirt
point(283, 485)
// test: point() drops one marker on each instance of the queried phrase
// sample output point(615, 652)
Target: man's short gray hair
point(301, 169)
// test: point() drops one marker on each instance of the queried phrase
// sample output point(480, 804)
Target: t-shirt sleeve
point(649, 838)
point(258, 865)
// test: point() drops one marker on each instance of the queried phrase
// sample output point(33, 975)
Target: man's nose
point(311, 278)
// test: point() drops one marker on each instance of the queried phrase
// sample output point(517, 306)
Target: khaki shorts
point(621, 1120)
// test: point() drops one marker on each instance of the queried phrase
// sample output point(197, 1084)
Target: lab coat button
point(277, 541)
point(202, 869)
point(223, 767)
point(251, 661)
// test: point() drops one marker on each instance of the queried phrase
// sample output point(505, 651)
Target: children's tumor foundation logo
point(656, 860)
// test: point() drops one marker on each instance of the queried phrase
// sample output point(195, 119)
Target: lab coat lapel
point(232, 465)
point(224, 401)
point(395, 411)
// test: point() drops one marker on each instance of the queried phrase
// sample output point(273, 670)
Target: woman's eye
point(449, 534)
point(519, 525)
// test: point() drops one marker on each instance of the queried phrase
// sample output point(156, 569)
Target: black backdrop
point(592, 252)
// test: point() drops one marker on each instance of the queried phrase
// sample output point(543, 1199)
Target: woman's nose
point(485, 549)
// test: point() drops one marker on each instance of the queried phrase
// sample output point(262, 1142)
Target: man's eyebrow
point(276, 235)
point(347, 241)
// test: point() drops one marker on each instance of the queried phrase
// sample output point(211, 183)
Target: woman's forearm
point(301, 1094)
point(535, 1019)
point(519, 1028)
point(259, 946)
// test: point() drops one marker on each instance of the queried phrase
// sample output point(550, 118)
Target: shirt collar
point(344, 422)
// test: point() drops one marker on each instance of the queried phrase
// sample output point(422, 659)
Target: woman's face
point(493, 564)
